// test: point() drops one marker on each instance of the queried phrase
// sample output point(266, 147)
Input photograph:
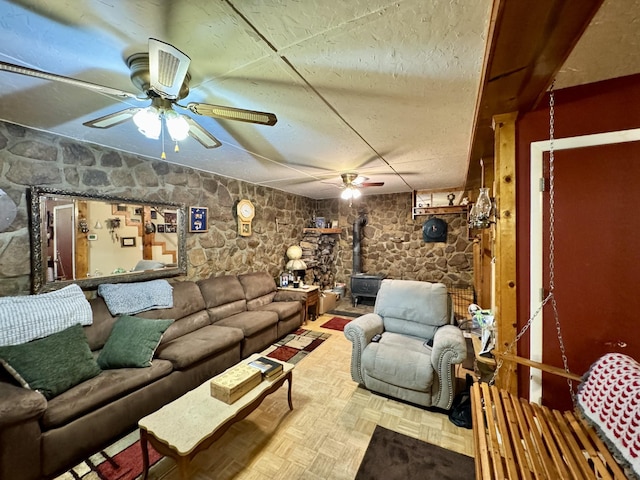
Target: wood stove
point(362, 284)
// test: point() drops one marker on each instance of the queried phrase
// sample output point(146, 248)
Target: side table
point(485, 365)
point(311, 299)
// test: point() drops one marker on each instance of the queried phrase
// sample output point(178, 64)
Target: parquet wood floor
point(326, 434)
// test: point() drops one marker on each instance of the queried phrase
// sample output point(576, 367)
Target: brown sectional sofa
point(218, 321)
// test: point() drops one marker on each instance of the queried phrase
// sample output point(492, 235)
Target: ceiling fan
point(352, 182)
point(162, 76)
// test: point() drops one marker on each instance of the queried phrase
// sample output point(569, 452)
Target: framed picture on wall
point(128, 241)
point(198, 219)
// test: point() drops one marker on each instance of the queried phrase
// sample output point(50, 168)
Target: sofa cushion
point(98, 332)
point(223, 296)
point(101, 390)
point(185, 325)
point(132, 342)
point(188, 311)
point(187, 299)
point(27, 317)
point(285, 310)
point(251, 323)
point(53, 364)
point(259, 289)
point(399, 360)
point(193, 347)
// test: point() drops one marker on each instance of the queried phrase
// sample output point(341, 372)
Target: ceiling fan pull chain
point(164, 155)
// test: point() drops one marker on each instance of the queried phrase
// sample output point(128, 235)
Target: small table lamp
point(295, 264)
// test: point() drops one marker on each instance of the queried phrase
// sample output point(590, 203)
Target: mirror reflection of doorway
point(63, 242)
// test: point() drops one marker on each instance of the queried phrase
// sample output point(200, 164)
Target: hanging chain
point(550, 296)
point(552, 236)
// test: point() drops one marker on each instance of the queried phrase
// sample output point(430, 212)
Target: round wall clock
point(246, 211)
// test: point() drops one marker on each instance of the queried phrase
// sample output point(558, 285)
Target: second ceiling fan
point(352, 182)
point(162, 76)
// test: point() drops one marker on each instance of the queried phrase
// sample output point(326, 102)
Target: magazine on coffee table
point(267, 366)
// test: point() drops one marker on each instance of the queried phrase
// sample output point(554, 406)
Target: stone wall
point(29, 157)
point(392, 241)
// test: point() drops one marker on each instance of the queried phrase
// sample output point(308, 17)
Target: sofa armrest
point(288, 296)
point(360, 332)
point(449, 349)
point(19, 405)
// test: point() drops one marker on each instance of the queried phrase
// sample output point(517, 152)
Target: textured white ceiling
point(387, 89)
point(609, 48)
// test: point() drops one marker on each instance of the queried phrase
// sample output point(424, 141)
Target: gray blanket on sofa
point(132, 298)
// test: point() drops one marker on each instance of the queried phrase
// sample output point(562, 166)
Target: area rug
point(393, 456)
point(295, 346)
point(123, 459)
point(120, 461)
point(344, 313)
point(336, 323)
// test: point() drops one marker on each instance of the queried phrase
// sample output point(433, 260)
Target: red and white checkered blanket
point(609, 397)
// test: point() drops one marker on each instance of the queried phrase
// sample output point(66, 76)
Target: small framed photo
point(198, 219)
point(320, 222)
point(171, 217)
point(128, 241)
point(161, 228)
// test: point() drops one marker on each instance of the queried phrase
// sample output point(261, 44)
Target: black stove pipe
point(358, 225)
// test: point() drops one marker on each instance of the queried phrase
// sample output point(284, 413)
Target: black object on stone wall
point(358, 225)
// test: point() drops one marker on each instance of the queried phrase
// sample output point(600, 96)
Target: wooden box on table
point(234, 382)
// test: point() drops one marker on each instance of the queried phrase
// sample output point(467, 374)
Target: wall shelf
point(322, 230)
point(443, 210)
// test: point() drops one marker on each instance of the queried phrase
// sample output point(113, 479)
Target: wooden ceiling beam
point(528, 42)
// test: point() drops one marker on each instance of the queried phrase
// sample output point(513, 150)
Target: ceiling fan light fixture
point(148, 122)
point(350, 193)
point(177, 126)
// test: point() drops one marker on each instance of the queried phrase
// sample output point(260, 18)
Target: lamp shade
point(177, 126)
point(148, 122)
point(350, 192)
point(296, 264)
point(294, 252)
point(480, 215)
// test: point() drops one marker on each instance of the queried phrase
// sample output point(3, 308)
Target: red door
point(597, 260)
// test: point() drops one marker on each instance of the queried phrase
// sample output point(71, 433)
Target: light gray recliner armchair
point(416, 355)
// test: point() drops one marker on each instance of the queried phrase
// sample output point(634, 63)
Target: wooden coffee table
point(190, 424)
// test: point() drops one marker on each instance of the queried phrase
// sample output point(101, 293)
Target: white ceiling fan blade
point(200, 134)
point(32, 72)
point(168, 67)
point(112, 119)
point(359, 180)
point(231, 113)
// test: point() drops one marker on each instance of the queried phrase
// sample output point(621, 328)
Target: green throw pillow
point(132, 342)
point(53, 364)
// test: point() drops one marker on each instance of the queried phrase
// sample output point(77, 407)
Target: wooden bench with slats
point(515, 439)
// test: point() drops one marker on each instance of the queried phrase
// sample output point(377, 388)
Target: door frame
point(536, 260)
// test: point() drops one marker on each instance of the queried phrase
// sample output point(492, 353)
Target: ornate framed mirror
point(89, 239)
